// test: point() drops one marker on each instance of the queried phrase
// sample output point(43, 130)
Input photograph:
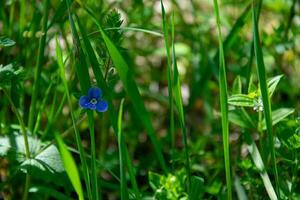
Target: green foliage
point(166, 66)
point(168, 187)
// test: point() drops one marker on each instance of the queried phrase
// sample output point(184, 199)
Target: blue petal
point(84, 102)
point(91, 106)
point(95, 93)
point(101, 106)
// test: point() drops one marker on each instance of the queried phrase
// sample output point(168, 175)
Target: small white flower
point(258, 105)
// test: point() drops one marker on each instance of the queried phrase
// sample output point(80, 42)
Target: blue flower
point(93, 100)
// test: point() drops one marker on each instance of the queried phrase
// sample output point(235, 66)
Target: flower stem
point(25, 136)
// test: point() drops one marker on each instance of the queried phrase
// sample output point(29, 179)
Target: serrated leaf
point(278, 115)
point(241, 100)
point(47, 160)
point(237, 86)
point(6, 42)
point(14, 144)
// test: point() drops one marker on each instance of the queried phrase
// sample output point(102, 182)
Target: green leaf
point(70, 166)
point(237, 86)
point(261, 70)
point(15, 146)
point(278, 115)
point(241, 100)
point(154, 180)
point(241, 118)
point(239, 189)
point(253, 150)
point(133, 92)
point(6, 42)
point(46, 160)
point(272, 84)
point(294, 140)
point(197, 188)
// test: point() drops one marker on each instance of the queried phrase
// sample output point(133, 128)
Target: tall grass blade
point(83, 76)
point(77, 135)
point(253, 150)
point(70, 166)
point(169, 76)
point(132, 90)
point(224, 104)
point(179, 105)
point(38, 67)
point(108, 95)
point(264, 93)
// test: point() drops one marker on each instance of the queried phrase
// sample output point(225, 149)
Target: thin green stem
point(37, 74)
point(25, 136)
point(93, 153)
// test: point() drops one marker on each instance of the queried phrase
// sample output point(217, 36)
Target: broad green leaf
point(47, 159)
point(6, 42)
point(240, 118)
point(241, 100)
point(278, 115)
point(237, 86)
point(15, 144)
point(70, 166)
point(197, 188)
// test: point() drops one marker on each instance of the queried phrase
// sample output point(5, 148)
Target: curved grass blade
point(253, 150)
point(108, 94)
point(132, 90)
point(179, 105)
point(83, 76)
point(260, 66)
point(224, 104)
point(169, 76)
point(70, 166)
point(77, 135)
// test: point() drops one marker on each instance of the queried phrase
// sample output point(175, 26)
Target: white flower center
point(93, 101)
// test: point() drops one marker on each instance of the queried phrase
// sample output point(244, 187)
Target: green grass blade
point(77, 135)
point(264, 93)
point(83, 76)
point(70, 166)
point(179, 105)
point(224, 104)
point(122, 155)
point(170, 75)
point(132, 90)
point(101, 83)
point(240, 191)
point(38, 68)
point(253, 150)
